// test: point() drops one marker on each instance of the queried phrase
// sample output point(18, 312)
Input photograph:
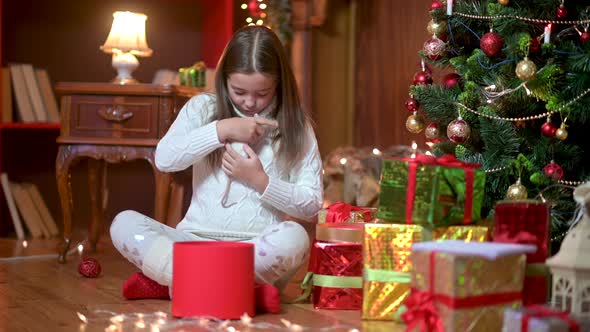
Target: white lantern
point(570, 267)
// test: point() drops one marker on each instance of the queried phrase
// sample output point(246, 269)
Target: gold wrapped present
point(386, 267)
point(461, 286)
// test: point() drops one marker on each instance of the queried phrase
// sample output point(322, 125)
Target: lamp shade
point(127, 34)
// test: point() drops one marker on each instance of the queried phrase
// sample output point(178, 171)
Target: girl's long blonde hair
point(256, 49)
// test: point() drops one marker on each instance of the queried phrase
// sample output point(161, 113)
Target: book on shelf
point(33, 94)
point(6, 116)
point(25, 201)
point(21, 94)
point(48, 95)
point(42, 209)
point(27, 210)
point(16, 221)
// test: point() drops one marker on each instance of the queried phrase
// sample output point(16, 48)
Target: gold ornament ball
point(436, 28)
point(526, 70)
point(561, 134)
point(503, 2)
point(414, 124)
point(516, 192)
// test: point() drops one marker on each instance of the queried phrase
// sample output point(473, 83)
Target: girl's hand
point(245, 130)
point(248, 170)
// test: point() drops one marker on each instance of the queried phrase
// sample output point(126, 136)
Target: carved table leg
point(66, 154)
point(97, 185)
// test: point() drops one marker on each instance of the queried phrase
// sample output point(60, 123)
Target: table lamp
point(125, 41)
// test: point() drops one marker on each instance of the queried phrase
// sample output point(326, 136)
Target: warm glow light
point(80, 249)
point(259, 22)
point(414, 145)
point(262, 6)
point(343, 161)
point(249, 20)
point(25, 244)
point(140, 324)
point(528, 92)
point(376, 152)
point(428, 153)
point(82, 318)
point(262, 15)
point(244, 6)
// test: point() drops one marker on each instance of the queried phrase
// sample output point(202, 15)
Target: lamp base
point(125, 63)
point(123, 80)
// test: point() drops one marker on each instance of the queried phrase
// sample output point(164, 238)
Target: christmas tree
point(516, 98)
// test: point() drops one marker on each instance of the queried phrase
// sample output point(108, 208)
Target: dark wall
point(389, 36)
point(64, 36)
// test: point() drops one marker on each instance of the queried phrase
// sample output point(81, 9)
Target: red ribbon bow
point(448, 160)
point(422, 312)
point(339, 212)
point(538, 311)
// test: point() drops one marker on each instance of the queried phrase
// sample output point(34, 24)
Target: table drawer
point(114, 116)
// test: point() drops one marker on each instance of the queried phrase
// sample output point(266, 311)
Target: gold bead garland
point(526, 118)
point(526, 19)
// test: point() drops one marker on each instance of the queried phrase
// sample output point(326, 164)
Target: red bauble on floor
point(89, 268)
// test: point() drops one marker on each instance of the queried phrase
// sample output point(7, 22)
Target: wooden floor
point(39, 294)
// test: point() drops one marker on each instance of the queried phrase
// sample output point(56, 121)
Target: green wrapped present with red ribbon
point(429, 191)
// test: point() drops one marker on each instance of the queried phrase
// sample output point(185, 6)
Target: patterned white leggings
point(280, 249)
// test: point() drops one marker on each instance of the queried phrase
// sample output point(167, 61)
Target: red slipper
point(138, 286)
point(267, 299)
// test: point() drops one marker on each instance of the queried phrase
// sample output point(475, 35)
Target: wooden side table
point(112, 123)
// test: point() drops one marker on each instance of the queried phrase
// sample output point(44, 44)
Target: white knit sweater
point(193, 136)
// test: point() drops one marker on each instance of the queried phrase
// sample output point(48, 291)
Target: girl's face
point(251, 93)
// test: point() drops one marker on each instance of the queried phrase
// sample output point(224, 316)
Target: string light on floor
point(160, 322)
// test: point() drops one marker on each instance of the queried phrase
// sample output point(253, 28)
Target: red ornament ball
point(412, 105)
point(585, 37)
point(561, 12)
point(422, 77)
point(535, 46)
point(434, 48)
point(432, 131)
point(553, 171)
point(458, 131)
point(254, 8)
point(451, 80)
point(89, 268)
point(548, 129)
point(436, 4)
point(491, 44)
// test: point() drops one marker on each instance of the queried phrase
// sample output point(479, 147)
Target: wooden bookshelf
point(63, 37)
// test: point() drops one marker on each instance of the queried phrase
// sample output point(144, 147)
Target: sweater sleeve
point(191, 137)
point(301, 196)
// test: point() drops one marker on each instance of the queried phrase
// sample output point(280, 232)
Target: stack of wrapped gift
point(387, 267)
point(422, 198)
point(464, 286)
point(527, 222)
point(336, 267)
